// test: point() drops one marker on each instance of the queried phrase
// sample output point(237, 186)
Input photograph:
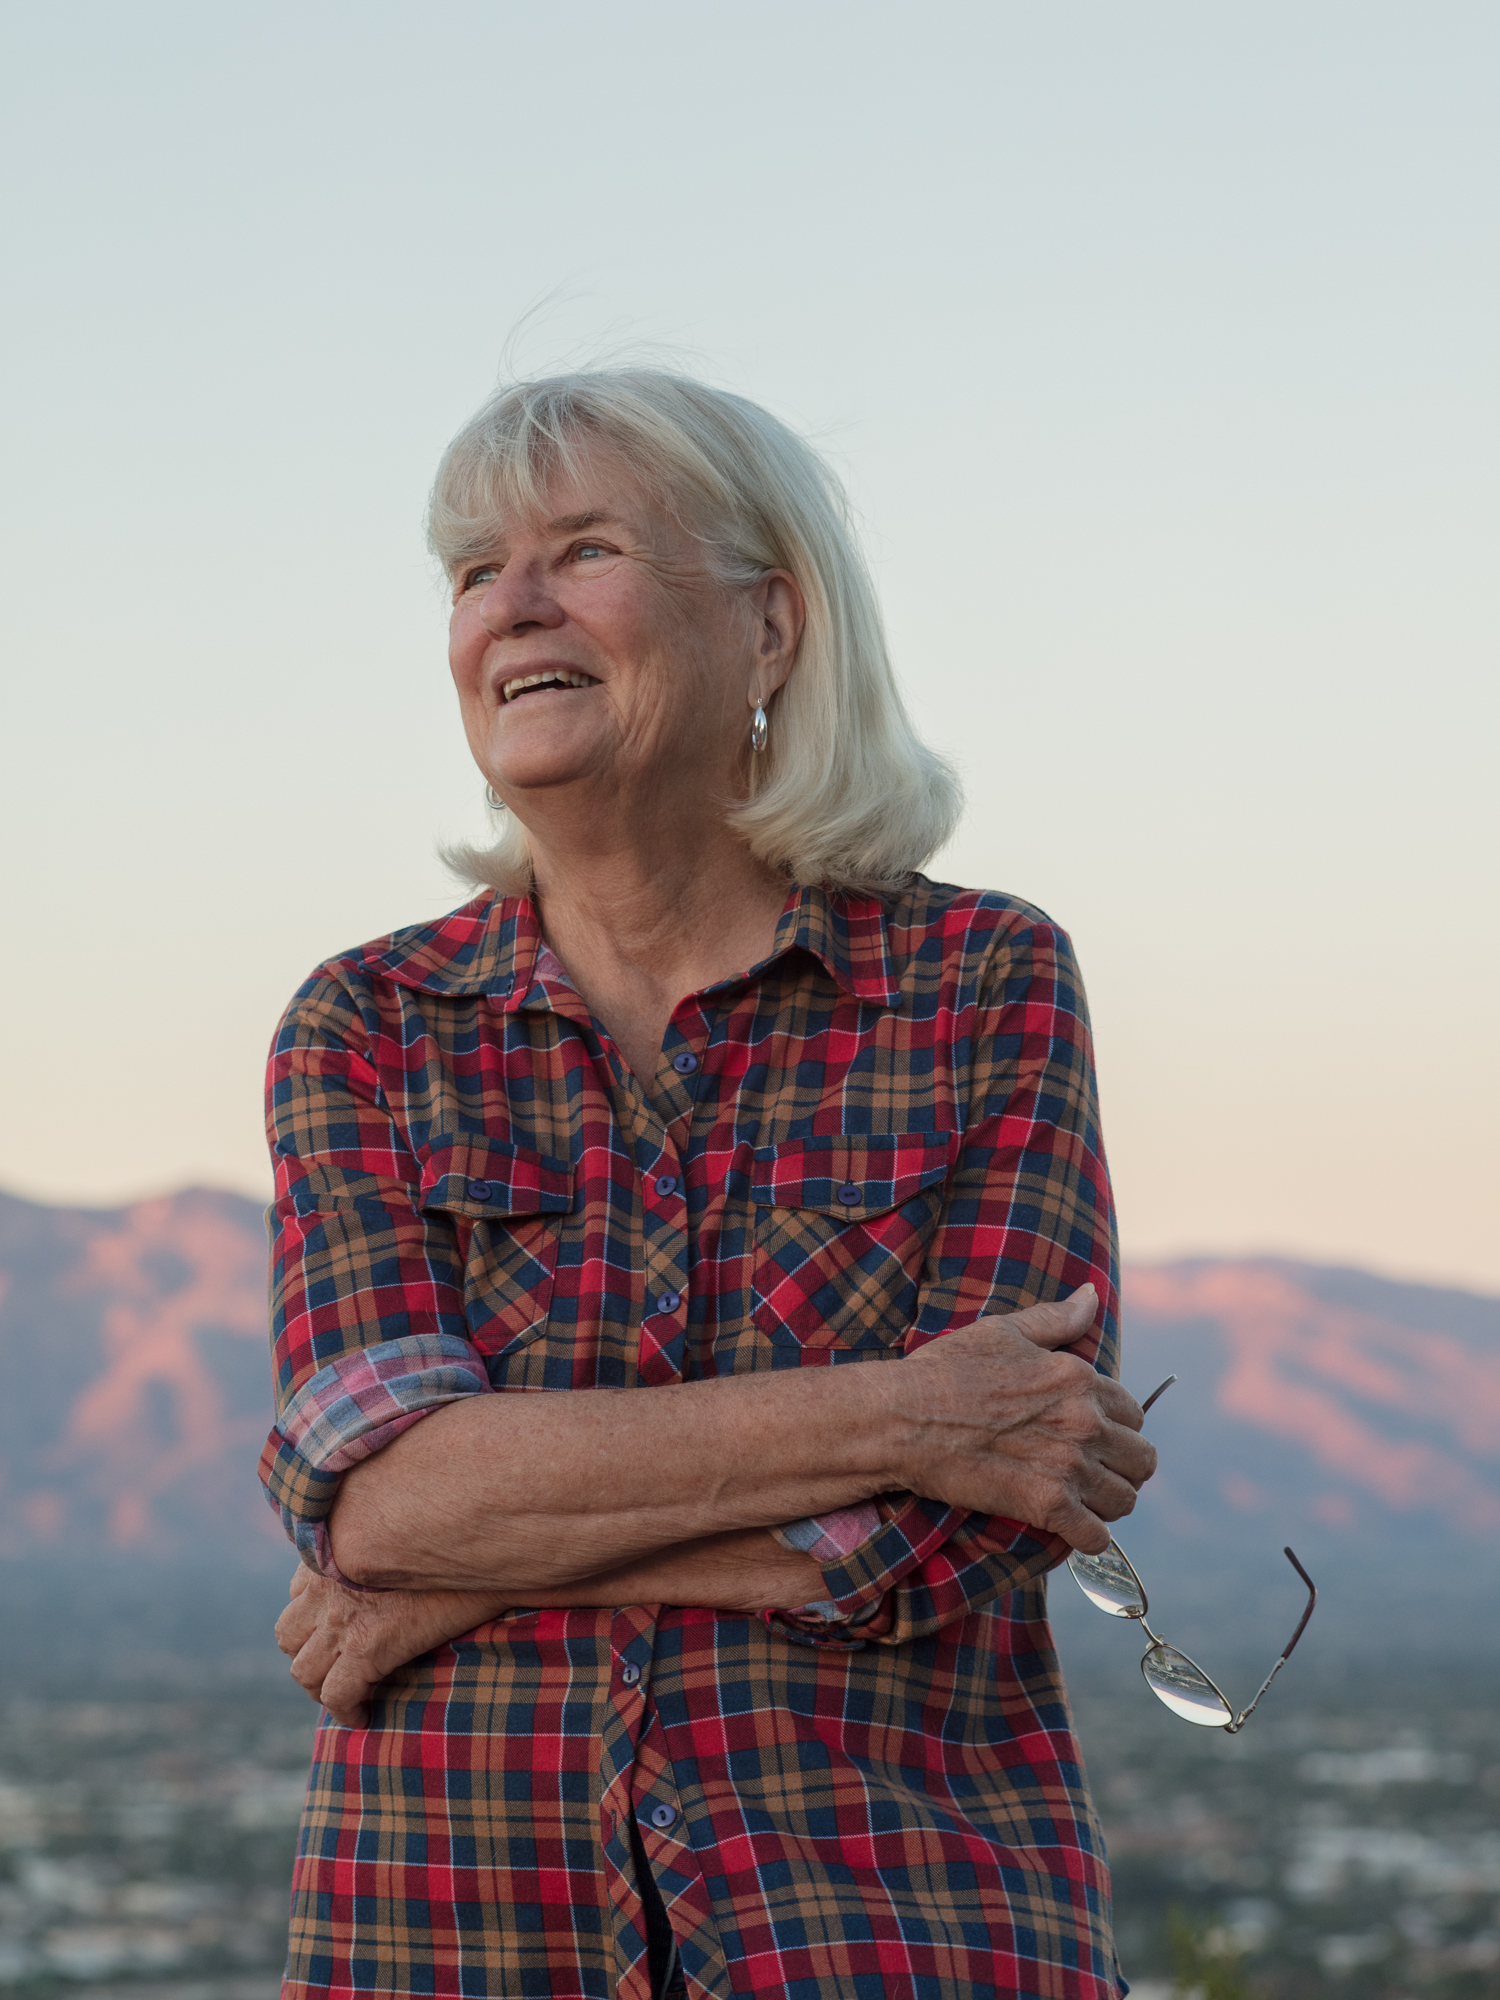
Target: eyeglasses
point(1109, 1580)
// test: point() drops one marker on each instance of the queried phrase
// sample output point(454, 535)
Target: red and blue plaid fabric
point(885, 1130)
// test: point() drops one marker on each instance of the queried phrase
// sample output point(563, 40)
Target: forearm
point(344, 1643)
point(526, 1495)
point(745, 1570)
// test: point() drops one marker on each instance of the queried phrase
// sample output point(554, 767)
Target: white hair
point(845, 795)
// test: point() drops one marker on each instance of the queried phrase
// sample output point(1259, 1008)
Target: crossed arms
point(669, 1495)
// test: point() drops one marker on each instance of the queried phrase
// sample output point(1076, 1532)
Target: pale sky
point(1157, 344)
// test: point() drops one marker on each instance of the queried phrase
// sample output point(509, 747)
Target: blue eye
point(477, 576)
point(588, 549)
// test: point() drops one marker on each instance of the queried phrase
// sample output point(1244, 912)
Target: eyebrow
point(565, 524)
point(570, 524)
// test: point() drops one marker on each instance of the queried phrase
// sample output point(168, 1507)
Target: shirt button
point(630, 1674)
point(685, 1063)
point(666, 1183)
point(663, 1815)
point(479, 1190)
point(850, 1195)
point(667, 1303)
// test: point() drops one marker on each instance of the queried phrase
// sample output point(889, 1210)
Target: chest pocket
point(841, 1232)
point(508, 1204)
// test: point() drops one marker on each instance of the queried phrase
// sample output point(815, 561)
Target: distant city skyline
point(1157, 348)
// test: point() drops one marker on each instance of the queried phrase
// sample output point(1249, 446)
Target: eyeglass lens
point(1108, 1581)
point(1173, 1678)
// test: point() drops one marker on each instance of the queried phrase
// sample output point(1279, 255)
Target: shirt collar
point(847, 935)
point(475, 949)
point(490, 946)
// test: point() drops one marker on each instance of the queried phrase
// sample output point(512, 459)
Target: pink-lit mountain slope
point(134, 1387)
point(1311, 1395)
point(134, 1392)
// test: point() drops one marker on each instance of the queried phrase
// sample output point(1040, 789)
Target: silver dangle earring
point(758, 728)
point(493, 799)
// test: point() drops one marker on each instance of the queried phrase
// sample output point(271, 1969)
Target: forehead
point(596, 489)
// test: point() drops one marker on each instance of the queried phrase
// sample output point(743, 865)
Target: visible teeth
point(553, 679)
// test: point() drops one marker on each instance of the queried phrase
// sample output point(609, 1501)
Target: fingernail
point(1082, 1289)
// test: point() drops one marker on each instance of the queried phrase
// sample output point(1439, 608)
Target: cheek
point(466, 650)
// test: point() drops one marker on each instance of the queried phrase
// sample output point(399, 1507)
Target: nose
point(519, 601)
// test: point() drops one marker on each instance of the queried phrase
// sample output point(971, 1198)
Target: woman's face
point(591, 647)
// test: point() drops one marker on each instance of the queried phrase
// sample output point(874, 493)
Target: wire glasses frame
point(1110, 1581)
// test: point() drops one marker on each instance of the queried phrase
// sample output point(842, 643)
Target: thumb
point(345, 1693)
point(1079, 1528)
point(1059, 1322)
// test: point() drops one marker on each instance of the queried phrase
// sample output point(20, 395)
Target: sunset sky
point(1157, 344)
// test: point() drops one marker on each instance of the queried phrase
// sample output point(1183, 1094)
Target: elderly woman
point(673, 1638)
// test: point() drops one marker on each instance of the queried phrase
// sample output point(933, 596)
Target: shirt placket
point(632, 1649)
point(654, 1799)
point(635, 1774)
point(639, 1783)
point(658, 1143)
point(664, 1233)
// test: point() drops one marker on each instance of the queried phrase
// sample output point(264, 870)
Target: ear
point(780, 615)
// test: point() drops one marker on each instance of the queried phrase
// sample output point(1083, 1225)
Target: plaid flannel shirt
point(883, 1131)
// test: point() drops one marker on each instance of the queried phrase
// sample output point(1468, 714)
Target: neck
point(663, 906)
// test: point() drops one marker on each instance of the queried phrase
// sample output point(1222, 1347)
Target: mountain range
point(1352, 1415)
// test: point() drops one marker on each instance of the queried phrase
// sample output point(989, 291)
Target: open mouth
point(551, 677)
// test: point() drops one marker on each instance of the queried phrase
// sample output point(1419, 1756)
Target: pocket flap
point(851, 1176)
point(479, 1177)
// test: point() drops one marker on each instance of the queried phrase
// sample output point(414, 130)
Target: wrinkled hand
point(1005, 1426)
point(343, 1643)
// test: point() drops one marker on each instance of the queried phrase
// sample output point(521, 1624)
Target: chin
point(533, 766)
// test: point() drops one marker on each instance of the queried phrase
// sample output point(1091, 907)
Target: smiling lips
point(552, 677)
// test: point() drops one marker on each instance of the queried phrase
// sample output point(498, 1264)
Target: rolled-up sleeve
point(368, 1329)
point(1027, 1217)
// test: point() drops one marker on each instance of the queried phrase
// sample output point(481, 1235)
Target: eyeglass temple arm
point(1233, 1728)
point(1157, 1392)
